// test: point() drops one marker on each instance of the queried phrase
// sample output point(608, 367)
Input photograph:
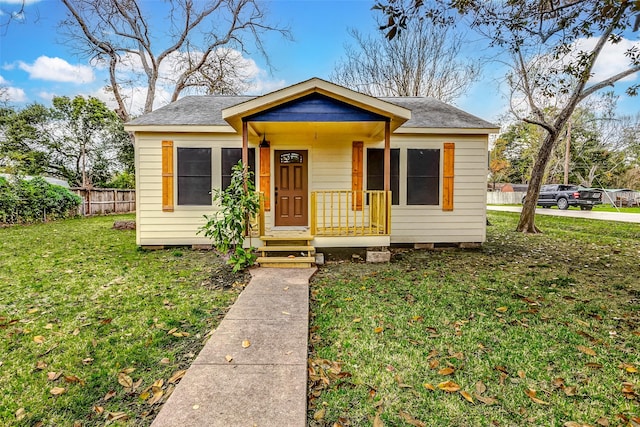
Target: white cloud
point(47, 96)
point(15, 94)
point(19, 2)
point(58, 70)
point(11, 93)
point(611, 60)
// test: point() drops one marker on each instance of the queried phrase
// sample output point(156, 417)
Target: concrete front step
point(286, 262)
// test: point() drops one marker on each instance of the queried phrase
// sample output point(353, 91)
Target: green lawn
point(92, 329)
point(540, 330)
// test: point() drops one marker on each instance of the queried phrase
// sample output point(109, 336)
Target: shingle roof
point(432, 113)
point(207, 110)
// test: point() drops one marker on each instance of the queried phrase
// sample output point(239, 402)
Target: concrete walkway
point(575, 213)
point(264, 384)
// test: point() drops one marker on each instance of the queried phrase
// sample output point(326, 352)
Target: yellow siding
point(329, 168)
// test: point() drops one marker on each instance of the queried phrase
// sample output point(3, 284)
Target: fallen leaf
point(228, 358)
point(446, 371)
point(38, 339)
point(571, 424)
point(87, 361)
point(570, 391)
point(177, 376)
point(117, 416)
point(165, 361)
point(449, 386)
point(377, 421)
point(378, 329)
point(98, 409)
point(628, 367)
point(320, 414)
point(433, 364)
point(603, 422)
point(522, 374)
point(246, 344)
point(41, 364)
point(171, 331)
point(501, 309)
point(75, 332)
point(73, 379)
point(77, 423)
point(125, 380)
point(20, 414)
point(32, 310)
point(410, 420)
point(52, 376)
point(429, 386)
point(157, 395)
point(480, 387)
point(532, 395)
point(586, 350)
point(109, 395)
point(486, 400)
point(467, 396)
point(57, 391)
point(593, 365)
point(128, 370)
point(48, 326)
point(357, 320)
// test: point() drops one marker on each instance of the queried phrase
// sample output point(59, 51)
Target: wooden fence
point(97, 201)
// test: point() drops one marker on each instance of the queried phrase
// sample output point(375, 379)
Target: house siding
point(329, 168)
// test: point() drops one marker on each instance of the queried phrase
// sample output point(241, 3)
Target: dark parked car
point(563, 196)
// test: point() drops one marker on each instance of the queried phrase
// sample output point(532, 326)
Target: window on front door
point(375, 172)
point(423, 177)
point(194, 176)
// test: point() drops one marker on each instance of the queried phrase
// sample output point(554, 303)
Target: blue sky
point(35, 65)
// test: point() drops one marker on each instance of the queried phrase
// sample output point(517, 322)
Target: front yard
point(93, 330)
point(537, 330)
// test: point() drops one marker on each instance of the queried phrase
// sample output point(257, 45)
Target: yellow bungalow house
point(335, 167)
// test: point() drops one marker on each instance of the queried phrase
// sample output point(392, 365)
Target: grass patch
point(538, 330)
point(88, 321)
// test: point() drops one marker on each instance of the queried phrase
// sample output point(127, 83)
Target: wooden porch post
point(245, 152)
point(387, 173)
point(387, 156)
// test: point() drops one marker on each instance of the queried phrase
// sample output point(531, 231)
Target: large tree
point(194, 42)
point(80, 140)
point(554, 46)
point(424, 61)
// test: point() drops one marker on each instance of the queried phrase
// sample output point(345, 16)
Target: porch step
point(287, 239)
point(286, 262)
point(310, 250)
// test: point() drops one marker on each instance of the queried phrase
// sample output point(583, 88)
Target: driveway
point(575, 213)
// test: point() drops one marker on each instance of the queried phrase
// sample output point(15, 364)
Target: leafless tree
point(526, 29)
point(120, 34)
point(425, 60)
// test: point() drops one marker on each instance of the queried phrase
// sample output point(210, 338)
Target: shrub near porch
point(93, 329)
point(528, 330)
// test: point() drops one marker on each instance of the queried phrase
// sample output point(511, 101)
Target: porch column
point(387, 155)
point(245, 151)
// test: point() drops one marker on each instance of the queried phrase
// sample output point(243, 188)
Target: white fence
point(499, 198)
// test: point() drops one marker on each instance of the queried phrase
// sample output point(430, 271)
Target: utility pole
point(567, 153)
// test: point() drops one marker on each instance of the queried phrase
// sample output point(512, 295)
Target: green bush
point(24, 201)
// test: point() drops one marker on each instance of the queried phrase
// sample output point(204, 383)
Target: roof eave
point(180, 128)
point(450, 131)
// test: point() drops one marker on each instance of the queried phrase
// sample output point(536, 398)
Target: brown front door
point(291, 187)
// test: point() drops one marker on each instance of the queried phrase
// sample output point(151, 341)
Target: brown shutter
point(357, 173)
point(447, 176)
point(167, 176)
point(265, 176)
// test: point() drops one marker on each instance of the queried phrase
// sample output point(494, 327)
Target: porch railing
point(350, 213)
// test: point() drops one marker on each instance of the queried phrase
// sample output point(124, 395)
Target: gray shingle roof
point(207, 110)
point(432, 113)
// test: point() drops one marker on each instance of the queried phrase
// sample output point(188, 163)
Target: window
point(375, 172)
point(423, 173)
point(194, 176)
point(230, 157)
